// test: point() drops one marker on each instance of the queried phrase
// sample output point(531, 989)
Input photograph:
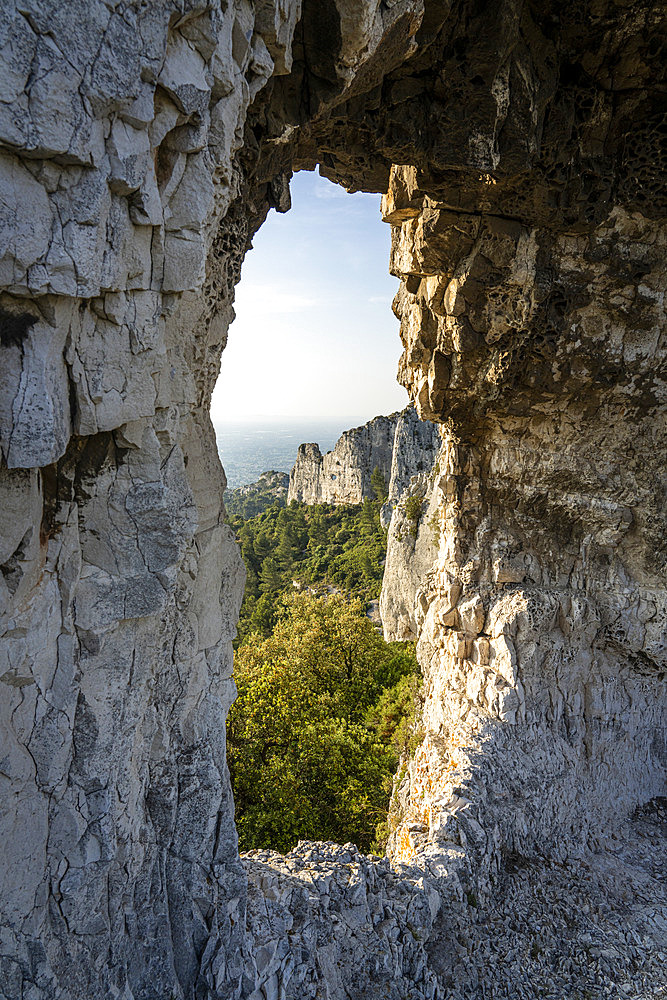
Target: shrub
point(413, 512)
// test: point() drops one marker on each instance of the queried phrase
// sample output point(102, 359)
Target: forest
point(325, 706)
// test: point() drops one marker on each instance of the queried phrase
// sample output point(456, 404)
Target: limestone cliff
point(520, 148)
point(416, 447)
point(343, 475)
point(412, 545)
point(399, 445)
point(536, 644)
point(411, 520)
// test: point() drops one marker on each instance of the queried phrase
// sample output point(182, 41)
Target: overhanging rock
point(520, 149)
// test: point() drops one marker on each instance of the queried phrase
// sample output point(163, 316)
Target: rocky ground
point(593, 928)
point(587, 929)
point(328, 921)
point(590, 928)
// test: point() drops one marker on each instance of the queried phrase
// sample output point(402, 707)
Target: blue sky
point(314, 333)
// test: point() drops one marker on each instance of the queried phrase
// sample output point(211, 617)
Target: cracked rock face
point(519, 149)
point(541, 615)
point(400, 446)
point(343, 475)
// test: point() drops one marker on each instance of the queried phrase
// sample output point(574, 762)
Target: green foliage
point(413, 512)
point(379, 485)
point(413, 508)
point(325, 707)
point(300, 546)
point(393, 716)
point(270, 490)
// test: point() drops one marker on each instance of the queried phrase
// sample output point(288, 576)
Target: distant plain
point(248, 448)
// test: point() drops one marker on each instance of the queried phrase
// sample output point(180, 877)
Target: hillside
point(270, 490)
point(325, 705)
point(298, 547)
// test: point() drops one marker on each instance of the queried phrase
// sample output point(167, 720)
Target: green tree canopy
point(311, 750)
point(311, 546)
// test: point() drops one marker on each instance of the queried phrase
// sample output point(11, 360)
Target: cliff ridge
point(399, 446)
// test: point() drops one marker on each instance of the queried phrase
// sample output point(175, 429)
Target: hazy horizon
point(249, 447)
point(250, 418)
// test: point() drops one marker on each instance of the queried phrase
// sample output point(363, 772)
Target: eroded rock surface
point(416, 447)
point(541, 618)
point(520, 150)
point(327, 922)
point(343, 475)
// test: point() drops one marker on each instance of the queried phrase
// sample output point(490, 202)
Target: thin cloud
point(271, 300)
point(327, 190)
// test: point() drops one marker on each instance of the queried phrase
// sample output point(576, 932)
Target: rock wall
point(120, 582)
point(141, 146)
point(541, 616)
point(416, 447)
point(400, 446)
point(343, 475)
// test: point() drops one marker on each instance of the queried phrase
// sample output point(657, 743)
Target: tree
point(304, 759)
point(270, 576)
point(261, 615)
point(379, 484)
point(286, 548)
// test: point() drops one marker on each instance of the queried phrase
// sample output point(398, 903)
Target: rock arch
point(519, 148)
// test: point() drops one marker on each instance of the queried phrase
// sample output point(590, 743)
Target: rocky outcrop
point(412, 522)
point(400, 446)
point(343, 475)
point(519, 147)
point(538, 617)
point(325, 918)
point(416, 447)
point(412, 545)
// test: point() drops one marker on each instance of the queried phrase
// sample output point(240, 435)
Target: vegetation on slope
point(298, 547)
point(270, 490)
point(315, 734)
point(325, 706)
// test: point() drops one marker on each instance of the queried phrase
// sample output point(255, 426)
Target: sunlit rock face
point(542, 616)
point(343, 475)
point(520, 153)
point(400, 446)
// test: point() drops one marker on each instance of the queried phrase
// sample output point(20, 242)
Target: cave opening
point(518, 148)
point(325, 706)
point(314, 348)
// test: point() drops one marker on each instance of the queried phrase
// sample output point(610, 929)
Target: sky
point(314, 333)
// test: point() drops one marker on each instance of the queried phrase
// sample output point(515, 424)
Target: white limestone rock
point(328, 921)
point(399, 446)
point(141, 148)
